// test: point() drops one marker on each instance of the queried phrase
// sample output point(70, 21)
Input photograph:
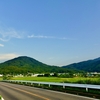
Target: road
point(20, 92)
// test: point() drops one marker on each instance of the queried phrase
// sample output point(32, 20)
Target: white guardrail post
point(86, 88)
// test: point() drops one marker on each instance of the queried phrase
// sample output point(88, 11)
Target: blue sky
point(55, 32)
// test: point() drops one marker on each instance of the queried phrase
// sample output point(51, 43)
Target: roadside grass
point(57, 79)
point(42, 79)
point(0, 78)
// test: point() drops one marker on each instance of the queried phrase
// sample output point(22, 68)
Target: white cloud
point(49, 37)
point(1, 39)
point(40, 36)
point(4, 57)
point(7, 34)
point(1, 45)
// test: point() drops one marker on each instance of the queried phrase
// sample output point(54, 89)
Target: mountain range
point(24, 64)
point(89, 65)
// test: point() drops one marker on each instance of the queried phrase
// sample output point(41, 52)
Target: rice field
point(57, 79)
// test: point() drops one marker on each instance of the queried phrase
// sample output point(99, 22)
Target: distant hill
point(26, 64)
point(89, 65)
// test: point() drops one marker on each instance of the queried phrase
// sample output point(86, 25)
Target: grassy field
point(0, 78)
point(80, 80)
point(57, 79)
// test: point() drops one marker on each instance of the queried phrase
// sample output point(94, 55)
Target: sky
point(55, 32)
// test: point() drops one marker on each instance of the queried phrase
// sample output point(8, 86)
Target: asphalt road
point(20, 92)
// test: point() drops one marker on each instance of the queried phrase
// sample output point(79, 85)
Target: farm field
point(0, 78)
point(57, 79)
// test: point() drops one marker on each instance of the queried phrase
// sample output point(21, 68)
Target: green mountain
point(90, 65)
point(25, 64)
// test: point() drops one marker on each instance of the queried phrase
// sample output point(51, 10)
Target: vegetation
point(25, 65)
point(1, 78)
point(74, 73)
point(71, 74)
point(89, 66)
point(7, 77)
point(79, 80)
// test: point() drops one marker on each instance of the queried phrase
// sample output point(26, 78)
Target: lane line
point(36, 95)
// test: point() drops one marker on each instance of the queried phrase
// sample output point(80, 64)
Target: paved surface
point(19, 92)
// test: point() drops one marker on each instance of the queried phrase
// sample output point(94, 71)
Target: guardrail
point(86, 86)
